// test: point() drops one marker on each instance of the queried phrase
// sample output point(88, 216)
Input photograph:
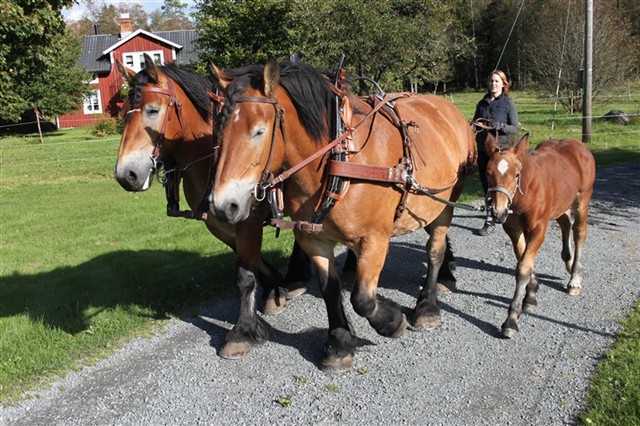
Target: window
point(92, 104)
point(135, 60)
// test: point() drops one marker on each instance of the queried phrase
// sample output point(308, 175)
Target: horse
point(527, 190)
point(169, 122)
point(275, 123)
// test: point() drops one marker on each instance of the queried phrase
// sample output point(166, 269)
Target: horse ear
point(151, 68)
point(490, 144)
point(220, 79)
point(271, 75)
point(523, 145)
point(126, 73)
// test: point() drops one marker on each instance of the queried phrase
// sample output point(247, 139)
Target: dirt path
point(460, 374)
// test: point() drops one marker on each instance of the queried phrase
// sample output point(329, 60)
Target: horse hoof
point(573, 291)
point(235, 350)
point(509, 333)
point(446, 287)
point(296, 289)
point(426, 322)
point(273, 306)
point(528, 307)
point(332, 364)
point(403, 326)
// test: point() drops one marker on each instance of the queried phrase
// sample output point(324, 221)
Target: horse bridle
point(259, 191)
point(173, 103)
point(506, 192)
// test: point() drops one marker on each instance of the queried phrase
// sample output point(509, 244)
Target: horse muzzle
point(134, 174)
point(233, 205)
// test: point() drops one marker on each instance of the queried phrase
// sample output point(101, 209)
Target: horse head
point(250, 139)
point(503, 175)
point(152, 116)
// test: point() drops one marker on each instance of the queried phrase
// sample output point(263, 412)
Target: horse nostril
point(232, 209)
point(132, 177)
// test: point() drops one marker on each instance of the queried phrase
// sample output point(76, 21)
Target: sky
point(78, 10)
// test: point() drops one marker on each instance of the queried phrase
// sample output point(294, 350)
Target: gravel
point(462, 373)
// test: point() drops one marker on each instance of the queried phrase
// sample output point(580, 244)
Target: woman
point(500, 111)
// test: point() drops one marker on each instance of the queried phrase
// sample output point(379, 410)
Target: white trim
point(89, 103)
point(137, 59)
point(135, 34)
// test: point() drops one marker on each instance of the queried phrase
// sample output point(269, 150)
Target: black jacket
point(502, 111)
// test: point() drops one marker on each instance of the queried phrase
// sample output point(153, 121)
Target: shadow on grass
point(161, 283)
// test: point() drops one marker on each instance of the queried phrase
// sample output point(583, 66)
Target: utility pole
point(588, 71)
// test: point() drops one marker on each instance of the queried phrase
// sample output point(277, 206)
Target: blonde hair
point(505, 81)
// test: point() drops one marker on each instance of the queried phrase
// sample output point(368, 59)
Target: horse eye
point(258, 132)
point(151, 111)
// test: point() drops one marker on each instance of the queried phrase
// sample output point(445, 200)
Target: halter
point(506, 192)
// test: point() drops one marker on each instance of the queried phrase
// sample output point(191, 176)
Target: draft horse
point(275, 123)
point(527, 190)
point(168, 127)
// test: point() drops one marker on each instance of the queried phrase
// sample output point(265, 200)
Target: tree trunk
point(36, 112)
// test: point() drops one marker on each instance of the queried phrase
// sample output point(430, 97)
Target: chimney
point(126, 25)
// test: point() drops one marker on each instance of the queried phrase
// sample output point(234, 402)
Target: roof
point(96, 48)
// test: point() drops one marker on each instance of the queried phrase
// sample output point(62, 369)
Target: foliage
point(30, 32)
point(105, 127)
point(236, 33)
point(546, 55)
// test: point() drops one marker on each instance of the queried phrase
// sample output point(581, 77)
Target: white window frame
point(135, 60)
point(92, 104)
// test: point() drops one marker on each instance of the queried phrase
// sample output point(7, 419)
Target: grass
point(85, 266)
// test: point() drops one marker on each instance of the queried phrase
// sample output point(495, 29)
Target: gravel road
point(462, 373)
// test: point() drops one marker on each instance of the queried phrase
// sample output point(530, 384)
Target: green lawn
point(84, 265)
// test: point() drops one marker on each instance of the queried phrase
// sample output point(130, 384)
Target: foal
point(527, 190)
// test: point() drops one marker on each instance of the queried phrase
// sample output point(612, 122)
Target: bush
point(106, 126)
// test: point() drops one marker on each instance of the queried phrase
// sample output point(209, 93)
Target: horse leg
point(348, 275)
point(340, 346)
point(427, 313)
point(446, 280)
point(518, 242)
point(298, 273)
point(565, 227)
point(270, 279)
point(524, 275)
point(248, 330)
point(384, 316)
point(581, 209)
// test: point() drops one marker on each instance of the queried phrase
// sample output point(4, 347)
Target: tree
point(30, 42)
point(105, 18)
point(171, 16)
point(240, 32)
point(615, 59)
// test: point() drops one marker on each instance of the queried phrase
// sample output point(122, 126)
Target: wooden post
point(588, 71)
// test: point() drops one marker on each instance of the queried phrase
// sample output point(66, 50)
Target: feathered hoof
point(509, 333)
point(274, 306)
point(446, 287)
point(403, 326)
point(335, 365)
point(296, 289)
point(573, 291)
point(426, 322)
point(235, 350)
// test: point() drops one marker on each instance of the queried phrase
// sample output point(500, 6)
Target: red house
point(99, 54)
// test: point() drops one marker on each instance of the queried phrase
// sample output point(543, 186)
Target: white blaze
point(503, 166)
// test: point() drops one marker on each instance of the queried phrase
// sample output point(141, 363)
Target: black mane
point(196, 87)
point(306, 86)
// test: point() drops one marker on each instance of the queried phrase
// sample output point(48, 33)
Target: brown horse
point(277, 119)
point(527, 190)
point(168, 121)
